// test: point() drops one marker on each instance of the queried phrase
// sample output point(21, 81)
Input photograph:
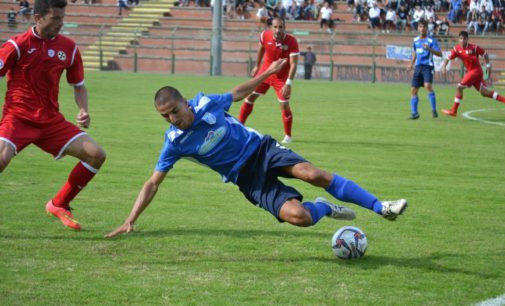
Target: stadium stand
point(159, 37)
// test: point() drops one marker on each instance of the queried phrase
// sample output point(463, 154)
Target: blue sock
point(433, 100)
point(317, 210)
point(348, 191)
point(413, 104)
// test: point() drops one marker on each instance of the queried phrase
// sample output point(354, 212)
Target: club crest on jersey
point(212, 139)
point(62, 56)
point(50, 52)
point(209, 118)
point(1, 64)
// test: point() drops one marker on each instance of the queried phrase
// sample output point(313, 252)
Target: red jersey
point(34, 67)
point(275, 51)
point(469, 56)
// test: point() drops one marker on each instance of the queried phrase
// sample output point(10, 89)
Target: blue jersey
point(215, 138)
point(423, 56)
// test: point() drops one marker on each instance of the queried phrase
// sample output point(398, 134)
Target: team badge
point(284, 47)
point(50, 52)
point(209, 118)
point(1, 64)
point(62, 56)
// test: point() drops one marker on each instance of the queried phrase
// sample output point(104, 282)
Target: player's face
point(464, 41)
point(49, 25)
point(177, 113)
point(422, 29)
point(278, 29)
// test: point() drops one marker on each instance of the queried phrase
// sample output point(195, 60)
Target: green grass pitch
point(201, 243)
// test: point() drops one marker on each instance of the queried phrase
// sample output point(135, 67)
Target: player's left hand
point(286, 91)
point(83, 119)
point(127, 227)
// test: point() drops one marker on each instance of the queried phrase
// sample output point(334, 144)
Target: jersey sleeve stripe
point(293, 54)
point(73, 56)
point(78, 84)
point(17, 48)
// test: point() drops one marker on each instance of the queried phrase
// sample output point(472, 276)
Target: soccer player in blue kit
point(201, 129)
point(424, 48)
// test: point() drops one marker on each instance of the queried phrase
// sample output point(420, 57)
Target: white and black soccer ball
point(349, 242)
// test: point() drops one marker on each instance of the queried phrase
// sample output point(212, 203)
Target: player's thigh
point(309, 173)
point(417, 78)
point(427, 73)
point(15, 135)
point(471, 79)
point(278, 84)
point(87, 150)
point(261, 89)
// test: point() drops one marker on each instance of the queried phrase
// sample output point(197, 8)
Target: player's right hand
point(254, 71)
point(127, 227)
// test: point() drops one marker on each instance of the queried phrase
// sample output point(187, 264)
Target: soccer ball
point(349, 242)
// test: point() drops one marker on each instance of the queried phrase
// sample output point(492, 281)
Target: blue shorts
point(259, 177)
point(422, 74)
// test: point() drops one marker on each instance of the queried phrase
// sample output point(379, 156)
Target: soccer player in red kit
point(275, 44)
point(469, 55)
point(34, 62)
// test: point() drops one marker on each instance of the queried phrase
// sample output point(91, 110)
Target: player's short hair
point(424, 22)
point(166, 94)
point(463, 34)
point(42, 7)
point(280, 19)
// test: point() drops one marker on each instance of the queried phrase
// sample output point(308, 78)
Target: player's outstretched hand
point(276, 66)
point(127, 227)
point(83, 119)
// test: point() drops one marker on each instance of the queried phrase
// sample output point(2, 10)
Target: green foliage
point(201, 242)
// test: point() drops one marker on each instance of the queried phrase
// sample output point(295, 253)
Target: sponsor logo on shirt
point(62, 56)
point(209, 118)
point(212, 139)
point(50, 52)
point(31, 50)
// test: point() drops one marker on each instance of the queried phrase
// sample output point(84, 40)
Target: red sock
point(497, 97)
point(287, 119)
point(245, 110)
point(457, 101)
point(77, 180)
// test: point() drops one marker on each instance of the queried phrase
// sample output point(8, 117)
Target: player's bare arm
point(443, 66)
point(241, 91)
point(435, 52)
point(81, 99)
point(286, 89)
point(411, 64)
point(259, 58)
point(146, 195)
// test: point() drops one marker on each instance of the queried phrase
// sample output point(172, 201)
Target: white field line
point(497, 301)
point(468, 115)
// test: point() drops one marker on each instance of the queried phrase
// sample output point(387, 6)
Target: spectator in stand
point(374, 16)
point(474, 5)
point(240, 9)
point(310, 11)
point(455, 11)
point(359, 10)
point(286, 11)
point(437, 5)
point(443, 27)
point(390, 19)
point(122, 4)
point(483, 20)
point(416, 17)
point(429, 12)
point(473, 22)
point(496, 20)
point(309, 60)
point(24, 10)
point(262, 16)
point(350, 5)
point(393, 4)
point(11, 17)
point(431, 27)
point(272, 7)
point(325, 14)
point(403, 14)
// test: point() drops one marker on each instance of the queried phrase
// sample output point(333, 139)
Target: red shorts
point(276, 83)
point(53, 137)
point(473, 78)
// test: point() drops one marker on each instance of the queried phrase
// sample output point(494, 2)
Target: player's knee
point(96, 158)
point(299, 217)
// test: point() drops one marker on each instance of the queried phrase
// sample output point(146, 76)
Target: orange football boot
point(64, 214)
